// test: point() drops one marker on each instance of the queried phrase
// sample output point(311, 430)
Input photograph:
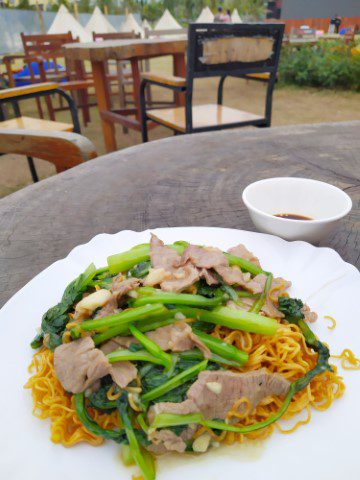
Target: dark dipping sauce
point(292, 216)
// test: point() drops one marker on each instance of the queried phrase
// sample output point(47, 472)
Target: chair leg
point(220, 90)
point(32, 168)
point(144, 130)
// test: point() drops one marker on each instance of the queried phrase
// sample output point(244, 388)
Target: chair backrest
point(46, 44)
point(217, 49)
point(164, 33)
point(98, 37)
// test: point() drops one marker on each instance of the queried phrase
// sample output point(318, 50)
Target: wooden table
point(184, 180)
point(98, 53)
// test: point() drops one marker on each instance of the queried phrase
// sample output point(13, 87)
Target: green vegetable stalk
point(151, 347)
point(123, 355)
point(245, 265)
point(122, 262)
point(145, 326)
point(174, 382)
point(124, 317)
point(222, 348)
point(196, 354)
point(143, 459)
point(93, 427)
point(257, 306)
point(234, 319)
point(178, 299)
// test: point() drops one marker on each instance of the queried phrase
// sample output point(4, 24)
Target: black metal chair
point(218, 50)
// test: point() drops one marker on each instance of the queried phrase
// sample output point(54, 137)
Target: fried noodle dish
point(177, 348)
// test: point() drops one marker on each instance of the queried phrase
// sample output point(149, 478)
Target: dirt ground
point(290, 106)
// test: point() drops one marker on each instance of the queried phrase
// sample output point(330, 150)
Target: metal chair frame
point(197, 33)
point(17, 113)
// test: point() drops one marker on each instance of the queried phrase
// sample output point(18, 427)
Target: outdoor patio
point(179, 240)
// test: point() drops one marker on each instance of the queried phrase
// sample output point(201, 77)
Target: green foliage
point(55, 319)
point(326, 65)
point(140, 270)
point(291, 307)
point(99, 398)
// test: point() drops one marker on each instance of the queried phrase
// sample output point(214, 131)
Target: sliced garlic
point(133, 294)
point(93, 301)
point(156, 276)
point(214, 387)
point(179, 316)
point(201, 444)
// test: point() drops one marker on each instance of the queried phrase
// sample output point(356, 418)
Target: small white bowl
point(322, 202)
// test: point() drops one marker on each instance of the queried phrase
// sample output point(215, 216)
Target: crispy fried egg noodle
point(51, 401)
point(285, 352)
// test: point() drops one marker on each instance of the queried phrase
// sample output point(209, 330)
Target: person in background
point(335, 23)
point(227, 16)
point(217, 18)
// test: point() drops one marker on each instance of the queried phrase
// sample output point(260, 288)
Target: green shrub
point(326, 65)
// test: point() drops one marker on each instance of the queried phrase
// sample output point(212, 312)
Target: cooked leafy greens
point(55, 319)
point(164, 372)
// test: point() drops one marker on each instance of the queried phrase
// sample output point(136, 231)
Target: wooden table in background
point(179, 181)
point(133, 50)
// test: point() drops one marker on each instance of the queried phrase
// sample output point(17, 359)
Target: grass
point(291, 105)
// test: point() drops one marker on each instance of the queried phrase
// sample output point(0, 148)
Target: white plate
point(326, 448)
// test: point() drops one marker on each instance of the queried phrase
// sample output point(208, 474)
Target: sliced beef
point(208, 276)
point(242, 252)
point(165, 440)
point(123, 373)
point(162, 256)
point(308, 314)
point(271, 311)
point(278, 287)
point(181, 279)
point(117, 342)
point(233, 275)
point(78, 365)
point(204, 257)
point(109, 309)
point(177, 337)
point(216, 402)
point(121, 287)
point(254, 385)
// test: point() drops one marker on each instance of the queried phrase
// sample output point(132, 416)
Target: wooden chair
point(146, 68)
point(63, 149)
point(13, 96)
point(48, 48)
point(218, 50)
point(123, 76)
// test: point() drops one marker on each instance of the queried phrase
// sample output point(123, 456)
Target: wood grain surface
point(125, 49)
point(179, 181)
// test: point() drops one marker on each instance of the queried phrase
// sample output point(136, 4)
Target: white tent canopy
point(206, 16)
point(131, 25)
point(167, 22)
point(145, 25)
point(235, 17)
point(98, 23)
point(64, 22)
